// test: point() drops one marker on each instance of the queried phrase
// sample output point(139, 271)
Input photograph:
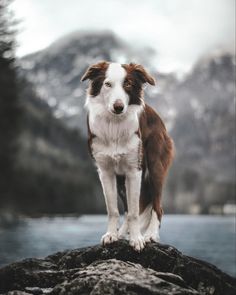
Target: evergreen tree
point(9, 106)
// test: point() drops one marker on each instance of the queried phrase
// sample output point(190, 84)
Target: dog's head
point(117, 85)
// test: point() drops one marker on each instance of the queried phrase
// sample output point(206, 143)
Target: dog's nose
point(118, 106)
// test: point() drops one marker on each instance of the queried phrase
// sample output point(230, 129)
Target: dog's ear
point(140, 73)
point(94, 70)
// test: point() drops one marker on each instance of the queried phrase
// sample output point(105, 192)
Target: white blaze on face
point(113, 90)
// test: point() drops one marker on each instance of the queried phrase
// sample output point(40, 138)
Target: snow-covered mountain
point(56, 71)
point(204, 133)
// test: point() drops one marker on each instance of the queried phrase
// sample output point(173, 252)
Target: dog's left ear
point(94, 70)
point(140, 73)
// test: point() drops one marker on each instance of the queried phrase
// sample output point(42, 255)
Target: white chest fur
point(116, 145)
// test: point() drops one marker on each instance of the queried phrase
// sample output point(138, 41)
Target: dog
point(131, 149)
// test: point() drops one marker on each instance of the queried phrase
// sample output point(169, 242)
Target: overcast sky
point(181, 31)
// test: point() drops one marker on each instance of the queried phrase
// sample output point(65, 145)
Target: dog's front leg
point(108, 181)
point(133, 186)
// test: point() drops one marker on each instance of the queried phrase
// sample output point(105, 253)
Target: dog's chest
point(116, 145)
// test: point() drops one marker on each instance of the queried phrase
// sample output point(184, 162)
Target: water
point(211, 238)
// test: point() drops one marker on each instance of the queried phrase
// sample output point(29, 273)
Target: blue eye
point(107, 84)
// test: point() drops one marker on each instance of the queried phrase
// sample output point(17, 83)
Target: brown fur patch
point(158, 155)
point(96, 74)
point(133, 83)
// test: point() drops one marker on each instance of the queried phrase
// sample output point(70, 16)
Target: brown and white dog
point(131, 149)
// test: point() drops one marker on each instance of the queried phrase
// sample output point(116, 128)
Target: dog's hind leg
point(152, 231)
point(144, 218)
point(124, 229)
point(148, 219)
point(159, 150)
point(149, 224)
point(121, 190)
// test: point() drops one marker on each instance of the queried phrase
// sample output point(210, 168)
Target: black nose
point(118, 106)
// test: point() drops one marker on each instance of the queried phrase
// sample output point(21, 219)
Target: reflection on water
point(211, 238)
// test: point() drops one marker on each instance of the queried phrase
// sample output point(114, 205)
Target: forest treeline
point(44, 166)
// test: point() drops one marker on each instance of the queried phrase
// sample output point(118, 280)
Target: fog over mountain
point(198, 110)
point(181, 31)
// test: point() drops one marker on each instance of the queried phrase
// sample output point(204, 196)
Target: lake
point(211, 238)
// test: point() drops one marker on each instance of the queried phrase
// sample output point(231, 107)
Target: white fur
point(148, 223)
point(115, 148)
point(108, 182)
point(133, 187)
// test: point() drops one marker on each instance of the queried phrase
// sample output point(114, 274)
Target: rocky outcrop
point(115, 269)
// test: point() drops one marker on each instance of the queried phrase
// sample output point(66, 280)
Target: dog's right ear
point(94, 70)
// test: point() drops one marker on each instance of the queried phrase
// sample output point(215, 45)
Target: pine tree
point(9, 105)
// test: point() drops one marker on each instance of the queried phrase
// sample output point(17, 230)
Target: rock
point(115, 269)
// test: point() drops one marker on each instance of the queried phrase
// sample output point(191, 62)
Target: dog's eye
point(127, 84)
point(107, 84)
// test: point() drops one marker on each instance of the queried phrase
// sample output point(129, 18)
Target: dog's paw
point(138, 243)
point(151, 237)
point(109, 238)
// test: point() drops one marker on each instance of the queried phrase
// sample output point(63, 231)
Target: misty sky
point(181, 31)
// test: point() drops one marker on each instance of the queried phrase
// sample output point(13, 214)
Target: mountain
point(57, 71)
point(204, 132)
point(198, 111)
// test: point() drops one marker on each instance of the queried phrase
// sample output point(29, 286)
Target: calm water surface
point(211, 238)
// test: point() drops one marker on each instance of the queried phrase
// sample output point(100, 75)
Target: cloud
point(181, 31)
